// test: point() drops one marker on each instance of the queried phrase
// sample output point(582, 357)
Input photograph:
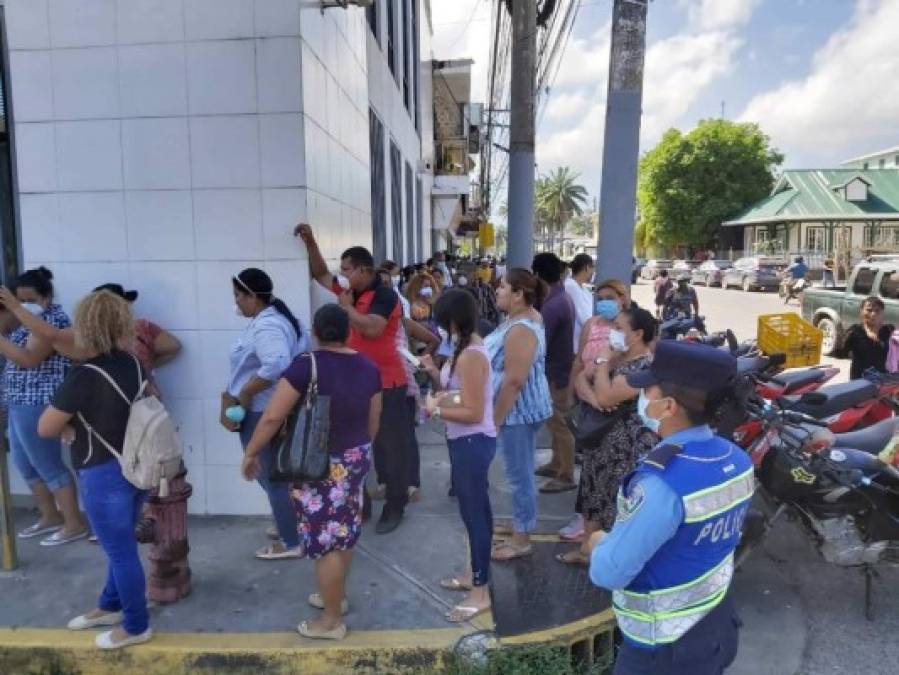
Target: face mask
point(343, 282)
point(396, 281)
point(617, 341)
point(426, 292)
point(607, 309)
point(238, 311)
point(33, 308)
point(649, 422)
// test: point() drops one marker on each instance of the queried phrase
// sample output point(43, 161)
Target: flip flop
point(454, 584)
point(517, 552)
point(574, 558)
point(464, 613)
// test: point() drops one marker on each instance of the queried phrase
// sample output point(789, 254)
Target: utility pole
point(521, 134)
point(621, 147)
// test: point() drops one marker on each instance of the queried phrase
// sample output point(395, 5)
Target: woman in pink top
point(465, 403)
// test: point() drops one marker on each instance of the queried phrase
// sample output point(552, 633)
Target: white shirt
point(583, 308)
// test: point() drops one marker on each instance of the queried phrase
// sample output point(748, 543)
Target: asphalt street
point(802, 615)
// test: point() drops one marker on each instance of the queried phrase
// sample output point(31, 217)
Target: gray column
point(520, 249)
point(621, 146)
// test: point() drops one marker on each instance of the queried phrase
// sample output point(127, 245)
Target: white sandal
point(84, 623)
point(105, 641)
point(59, 538)
point(269, 553)
point(37, 530)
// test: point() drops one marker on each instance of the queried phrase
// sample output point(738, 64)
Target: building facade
point(882, 159)
point(168, 144)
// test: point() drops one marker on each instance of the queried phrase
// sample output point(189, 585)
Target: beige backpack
point(151, 453)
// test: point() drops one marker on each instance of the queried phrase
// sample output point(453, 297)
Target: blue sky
point(819, 76)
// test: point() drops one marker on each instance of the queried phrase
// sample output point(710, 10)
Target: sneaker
point(59, 538)
point(38, 530)
point(390, 520)
point(105, 640)
point(574, 530)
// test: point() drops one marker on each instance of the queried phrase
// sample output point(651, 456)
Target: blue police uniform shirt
point(652, 516)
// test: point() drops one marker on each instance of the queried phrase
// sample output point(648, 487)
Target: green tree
point(558, 198)
point(689, 183)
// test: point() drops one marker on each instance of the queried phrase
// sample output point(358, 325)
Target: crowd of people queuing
point(494, 353)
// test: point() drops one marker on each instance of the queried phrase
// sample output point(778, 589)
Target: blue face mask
point(649, 422)
point(607, 309)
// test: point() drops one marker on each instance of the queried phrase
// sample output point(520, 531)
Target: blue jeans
point(519, 445)
point(278, 493)
point(470, 458)
point(39, 460)
point(113, 506)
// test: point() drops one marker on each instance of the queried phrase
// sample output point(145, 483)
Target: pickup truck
point(833, 310)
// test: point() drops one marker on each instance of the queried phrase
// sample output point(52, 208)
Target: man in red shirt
point(375, 320)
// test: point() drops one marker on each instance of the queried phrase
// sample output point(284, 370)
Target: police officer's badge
point(629, 505)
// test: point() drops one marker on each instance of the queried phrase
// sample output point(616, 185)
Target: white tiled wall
point(168, 144)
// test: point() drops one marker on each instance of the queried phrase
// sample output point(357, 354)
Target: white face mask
point(343, 282)
point(426, 292)
point(33, 308)
point(617, 341)
point(396, 281)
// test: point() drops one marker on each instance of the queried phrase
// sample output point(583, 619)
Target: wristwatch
point(599, 360)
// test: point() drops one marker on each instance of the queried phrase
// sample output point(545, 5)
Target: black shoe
point(366, 506)
point(390, 520)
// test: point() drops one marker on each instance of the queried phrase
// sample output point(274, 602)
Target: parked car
point(754, 273)
point(833, 310)
point(652, 268)
point(711, 272)
point(681, 267)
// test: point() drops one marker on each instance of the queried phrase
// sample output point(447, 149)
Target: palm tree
point(560, 197)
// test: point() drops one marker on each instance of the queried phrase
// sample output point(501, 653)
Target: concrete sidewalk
point(788, 598)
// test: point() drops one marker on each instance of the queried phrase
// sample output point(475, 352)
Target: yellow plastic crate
point(789, 334)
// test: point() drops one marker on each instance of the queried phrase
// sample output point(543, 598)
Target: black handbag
point(302, 448)
point(589, 425)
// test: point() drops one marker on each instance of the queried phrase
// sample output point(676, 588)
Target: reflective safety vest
point(690, 574)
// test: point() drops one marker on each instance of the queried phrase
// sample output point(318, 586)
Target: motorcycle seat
point(751, 364)
point(798, 378)
point(834, 398)
point(871, 439)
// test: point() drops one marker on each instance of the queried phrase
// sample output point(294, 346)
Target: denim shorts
point(37, 459)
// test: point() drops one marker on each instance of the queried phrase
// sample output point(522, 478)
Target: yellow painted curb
point(31, 651)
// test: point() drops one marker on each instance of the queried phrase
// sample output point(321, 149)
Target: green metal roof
point(817, 195)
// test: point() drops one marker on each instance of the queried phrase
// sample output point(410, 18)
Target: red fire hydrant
point(164, 527)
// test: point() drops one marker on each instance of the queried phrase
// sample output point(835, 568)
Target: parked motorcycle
point(680, 325)
point(845, 497)
point(790, 289)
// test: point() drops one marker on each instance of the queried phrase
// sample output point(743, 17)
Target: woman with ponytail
point(465, 403)
point(261, 354)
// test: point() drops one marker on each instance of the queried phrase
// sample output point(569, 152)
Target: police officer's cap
point(688, 364)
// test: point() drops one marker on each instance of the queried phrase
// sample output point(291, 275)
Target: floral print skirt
point(330, 510)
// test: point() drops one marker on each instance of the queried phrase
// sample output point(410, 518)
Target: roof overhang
point(814, 218)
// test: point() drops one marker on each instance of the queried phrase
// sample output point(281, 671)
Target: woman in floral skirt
point(330, 510)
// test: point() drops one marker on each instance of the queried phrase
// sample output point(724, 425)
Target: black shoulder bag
point(302, 449)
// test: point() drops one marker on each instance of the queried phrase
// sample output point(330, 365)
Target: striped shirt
point(533, 404)
point(36, 386)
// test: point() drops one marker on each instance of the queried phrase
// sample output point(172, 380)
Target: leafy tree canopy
point(689, 183)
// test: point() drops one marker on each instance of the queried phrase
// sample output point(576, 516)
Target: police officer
point(669, 559)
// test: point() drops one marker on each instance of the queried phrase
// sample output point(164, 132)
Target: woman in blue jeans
point(33, 372)
point(522, 401)
point(465, 403)
point(88, 407)
point(260, 355)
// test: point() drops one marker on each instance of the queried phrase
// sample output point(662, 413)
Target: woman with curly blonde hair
point(93, 402)
point(422, 292)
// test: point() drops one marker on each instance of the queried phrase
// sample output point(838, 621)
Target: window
point(896, 160)
point(391, 37)
point(889, 285)
point(9, 239)
point(884, 238)
point(396, 201)
point(416, 66)
point(865, 165)
point(864, 281)
point(407, 54)
point(371, 14)
point(816, 239)
point(419, 222)
point(378, 192)
point(410, 215)
point(882, 163)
